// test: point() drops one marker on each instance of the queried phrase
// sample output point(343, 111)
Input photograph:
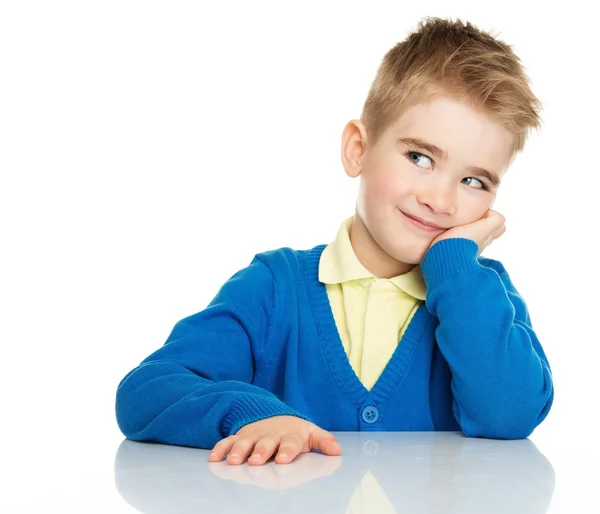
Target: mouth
point(421, 224)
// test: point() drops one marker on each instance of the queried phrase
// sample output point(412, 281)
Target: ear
point(354, 144)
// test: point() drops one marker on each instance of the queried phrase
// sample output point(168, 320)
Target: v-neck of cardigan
point(338, 361)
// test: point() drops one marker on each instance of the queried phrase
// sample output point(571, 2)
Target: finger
point(485, 229)
point(499, 232)
point(264, 449)
point(495, 219)
point(325, 442)
point(289, 448)
point(222, 448)
point(240, 450)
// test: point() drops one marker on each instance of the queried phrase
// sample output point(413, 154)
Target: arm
point(501, 379)
point(197, 389)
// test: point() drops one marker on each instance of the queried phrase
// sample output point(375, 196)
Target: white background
point(149, 149)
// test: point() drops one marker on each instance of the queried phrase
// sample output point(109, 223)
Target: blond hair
point(453, 58)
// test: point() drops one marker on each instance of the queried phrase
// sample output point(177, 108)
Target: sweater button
point(370, 414)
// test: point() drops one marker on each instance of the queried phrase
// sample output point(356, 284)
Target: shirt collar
point(339, 264)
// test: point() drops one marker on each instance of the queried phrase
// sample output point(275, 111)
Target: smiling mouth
point(421, 226)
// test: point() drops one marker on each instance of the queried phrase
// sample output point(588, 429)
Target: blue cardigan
point(268, 345)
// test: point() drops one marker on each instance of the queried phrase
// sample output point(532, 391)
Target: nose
point(439, 197)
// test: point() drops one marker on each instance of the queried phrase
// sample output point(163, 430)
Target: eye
point(419, 158)
point(481, 184)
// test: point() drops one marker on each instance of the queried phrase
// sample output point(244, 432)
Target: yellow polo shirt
point(371, 313)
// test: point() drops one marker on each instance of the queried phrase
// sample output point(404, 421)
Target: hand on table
point(286, 437)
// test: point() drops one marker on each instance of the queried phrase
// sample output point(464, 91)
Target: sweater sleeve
point(501, 379)
point(197, 388)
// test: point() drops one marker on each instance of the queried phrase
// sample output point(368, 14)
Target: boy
point(399, 324)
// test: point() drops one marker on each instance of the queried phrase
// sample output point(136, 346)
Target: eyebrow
point(436, 151)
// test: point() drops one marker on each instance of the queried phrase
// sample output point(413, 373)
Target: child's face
point(404, 173)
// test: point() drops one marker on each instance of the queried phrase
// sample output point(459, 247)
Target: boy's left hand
point(483, 231)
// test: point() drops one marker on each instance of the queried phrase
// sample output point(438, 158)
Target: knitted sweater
point(268, 345)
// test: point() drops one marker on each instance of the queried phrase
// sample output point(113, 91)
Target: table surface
point(378, 473)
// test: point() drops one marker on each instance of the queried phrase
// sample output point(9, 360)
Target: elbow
point(507, 431)
point(514, 425)
point(124, 415)
point(129, 409)
point(513, 419)
point(126, 424)
point(146, 396)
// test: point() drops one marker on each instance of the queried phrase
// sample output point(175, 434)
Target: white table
point(378, 473)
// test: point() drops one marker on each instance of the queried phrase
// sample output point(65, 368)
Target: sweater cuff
point(249, 408)
point(449, 257)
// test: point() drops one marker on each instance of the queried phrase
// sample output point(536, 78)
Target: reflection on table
point(379, 473)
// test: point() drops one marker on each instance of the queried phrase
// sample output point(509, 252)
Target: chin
point(403, 247)
point(409, 257)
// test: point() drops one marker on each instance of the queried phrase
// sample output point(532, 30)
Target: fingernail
point(283, 455)
point(255, 456)
point(213, 454)
point(234, 456)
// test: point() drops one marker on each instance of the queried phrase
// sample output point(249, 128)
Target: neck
point(371, 255)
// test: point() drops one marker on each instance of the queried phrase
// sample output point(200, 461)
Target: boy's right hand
point(287, 436)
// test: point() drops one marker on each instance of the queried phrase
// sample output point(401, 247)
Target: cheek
point(373, 200)
point(378, 198)
point(382, 191)
point(474, 207)
point(384, 183)
point(384, 186)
